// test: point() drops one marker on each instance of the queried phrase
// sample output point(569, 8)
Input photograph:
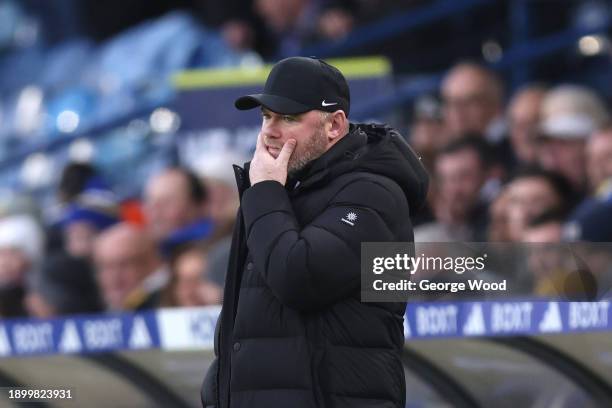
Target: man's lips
point(273, 150)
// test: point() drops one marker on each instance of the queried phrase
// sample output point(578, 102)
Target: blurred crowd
point(534, 169)
point(99, 253)
point(105, 61)
point(537, 170)
point(534, 166)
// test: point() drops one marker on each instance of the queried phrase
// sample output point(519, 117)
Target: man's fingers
point(286, 151)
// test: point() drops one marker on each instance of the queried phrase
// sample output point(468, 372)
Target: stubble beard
point(312, 149)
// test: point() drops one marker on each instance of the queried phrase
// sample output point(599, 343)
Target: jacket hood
point(372, 148)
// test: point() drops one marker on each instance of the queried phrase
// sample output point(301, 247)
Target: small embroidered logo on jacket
point(350, 219)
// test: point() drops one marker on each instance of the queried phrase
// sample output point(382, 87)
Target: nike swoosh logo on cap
point(328, 104)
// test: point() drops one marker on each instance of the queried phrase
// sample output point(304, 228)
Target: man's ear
point(337, 126)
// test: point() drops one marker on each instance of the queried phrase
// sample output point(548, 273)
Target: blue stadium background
point(133, 87)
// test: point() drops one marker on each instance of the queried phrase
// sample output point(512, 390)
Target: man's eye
point(288, 118)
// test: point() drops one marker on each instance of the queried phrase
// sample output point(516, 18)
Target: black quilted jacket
point(293, 332)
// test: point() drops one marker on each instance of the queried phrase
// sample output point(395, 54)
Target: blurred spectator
point(218, 176)
point(599, 162)
point(72, 181)
point(593, 228)
point(174, 207)
point(335, 22)
point(531, 192)
point(599, 173)
point(592, 225)
point(295, 23)
point(473, 98)
point(93, 210)
point(239, 35)
point(498, 230)
point(570, 114)
point(290, 21)
point(460, 212)
point(557, 271)
point(233, 17)
point(128, 268)
point(65, 285)
point(523, 117)
point(427, 131)
point(427, 136)
point(223, 201)
point(21, 254)
point(473, 101)
point(190, 284)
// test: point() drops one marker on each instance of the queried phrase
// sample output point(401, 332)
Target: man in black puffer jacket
point(293, 332)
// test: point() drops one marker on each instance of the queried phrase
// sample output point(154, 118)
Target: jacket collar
point(319, 169)
point(242, 178)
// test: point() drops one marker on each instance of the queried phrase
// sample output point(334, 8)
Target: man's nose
point(271, 129)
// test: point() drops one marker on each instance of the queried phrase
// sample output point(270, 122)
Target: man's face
point(192, 287)
point(122, 262)
point(427, 135)
point(279, 14)
point(308, 129)
point(599, 158)
point(468, 103)
point(13, 266)
point(565, 157)
point(189, 271)
point(222, 200)
point(168, 205)
point(528, 197)
point(460, 177)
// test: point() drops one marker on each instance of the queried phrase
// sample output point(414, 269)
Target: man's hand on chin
point(265, 167)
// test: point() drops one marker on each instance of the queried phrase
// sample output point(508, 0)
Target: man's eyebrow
point(293, 115)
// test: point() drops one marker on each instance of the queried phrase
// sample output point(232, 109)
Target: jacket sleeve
point(308, 267)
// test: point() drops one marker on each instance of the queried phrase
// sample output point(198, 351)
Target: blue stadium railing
point(193, 328)
point(524, 327)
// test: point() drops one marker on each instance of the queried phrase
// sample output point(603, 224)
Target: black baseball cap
point(301, 84)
